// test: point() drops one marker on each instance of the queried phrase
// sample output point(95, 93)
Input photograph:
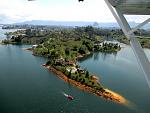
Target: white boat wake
point(66, 95)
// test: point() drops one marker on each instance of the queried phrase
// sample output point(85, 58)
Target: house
point(82, 71)
point(34, 46)
point(60, 62)
point(73, 69)
point(70, 63)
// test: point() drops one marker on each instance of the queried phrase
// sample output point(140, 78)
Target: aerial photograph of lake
point(70, 57)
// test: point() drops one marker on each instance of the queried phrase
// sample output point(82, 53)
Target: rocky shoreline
point(105, 93)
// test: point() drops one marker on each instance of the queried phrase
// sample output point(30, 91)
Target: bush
point(48, 62)
point(87, 74)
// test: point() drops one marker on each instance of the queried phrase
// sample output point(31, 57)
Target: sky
point(14, 11)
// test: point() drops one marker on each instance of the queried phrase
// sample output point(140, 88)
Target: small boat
point(68, 96)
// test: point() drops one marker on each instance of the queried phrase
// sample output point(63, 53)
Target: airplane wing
point(31, 0)
point(132, 7)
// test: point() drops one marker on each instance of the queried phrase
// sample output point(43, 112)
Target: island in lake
point(63, 56)
point(63, 48)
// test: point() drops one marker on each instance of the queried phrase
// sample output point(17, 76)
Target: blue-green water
point(3, 31)
point(27, 87)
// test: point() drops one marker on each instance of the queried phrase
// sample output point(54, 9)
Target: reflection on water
point(85, 57)
point(122, 73)
point(98, 55)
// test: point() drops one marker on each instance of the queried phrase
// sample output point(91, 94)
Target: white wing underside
point(132, 7)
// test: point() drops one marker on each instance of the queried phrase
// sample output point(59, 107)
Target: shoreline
point(106, 94)
point(144, 46)
point(27, 49)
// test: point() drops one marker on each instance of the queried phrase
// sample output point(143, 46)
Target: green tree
point(67, 51)
point(82, 50)
point(28, 32)
point(90, 31)
point(87, 75)
point(69, 74)
point(83, 81)
point(48, 62)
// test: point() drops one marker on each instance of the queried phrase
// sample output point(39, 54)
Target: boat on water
point(68, 96)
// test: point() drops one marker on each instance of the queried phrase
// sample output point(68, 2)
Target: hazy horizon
point(66, 21)
point(16, 11)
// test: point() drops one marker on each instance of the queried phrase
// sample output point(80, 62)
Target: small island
point(63, 56)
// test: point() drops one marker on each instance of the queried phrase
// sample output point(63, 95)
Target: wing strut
point(135, 45)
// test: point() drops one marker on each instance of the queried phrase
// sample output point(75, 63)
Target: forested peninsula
point(63, 47)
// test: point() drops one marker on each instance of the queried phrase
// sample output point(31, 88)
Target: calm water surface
point(3, 31)
point(27, 87)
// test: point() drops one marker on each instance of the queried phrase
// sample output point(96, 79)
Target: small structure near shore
point(34, 46)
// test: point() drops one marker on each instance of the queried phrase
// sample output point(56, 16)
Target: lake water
point(3, 31)
point(27, 87)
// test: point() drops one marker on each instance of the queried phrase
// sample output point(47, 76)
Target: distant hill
point(56, 23)
point(77, 23)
